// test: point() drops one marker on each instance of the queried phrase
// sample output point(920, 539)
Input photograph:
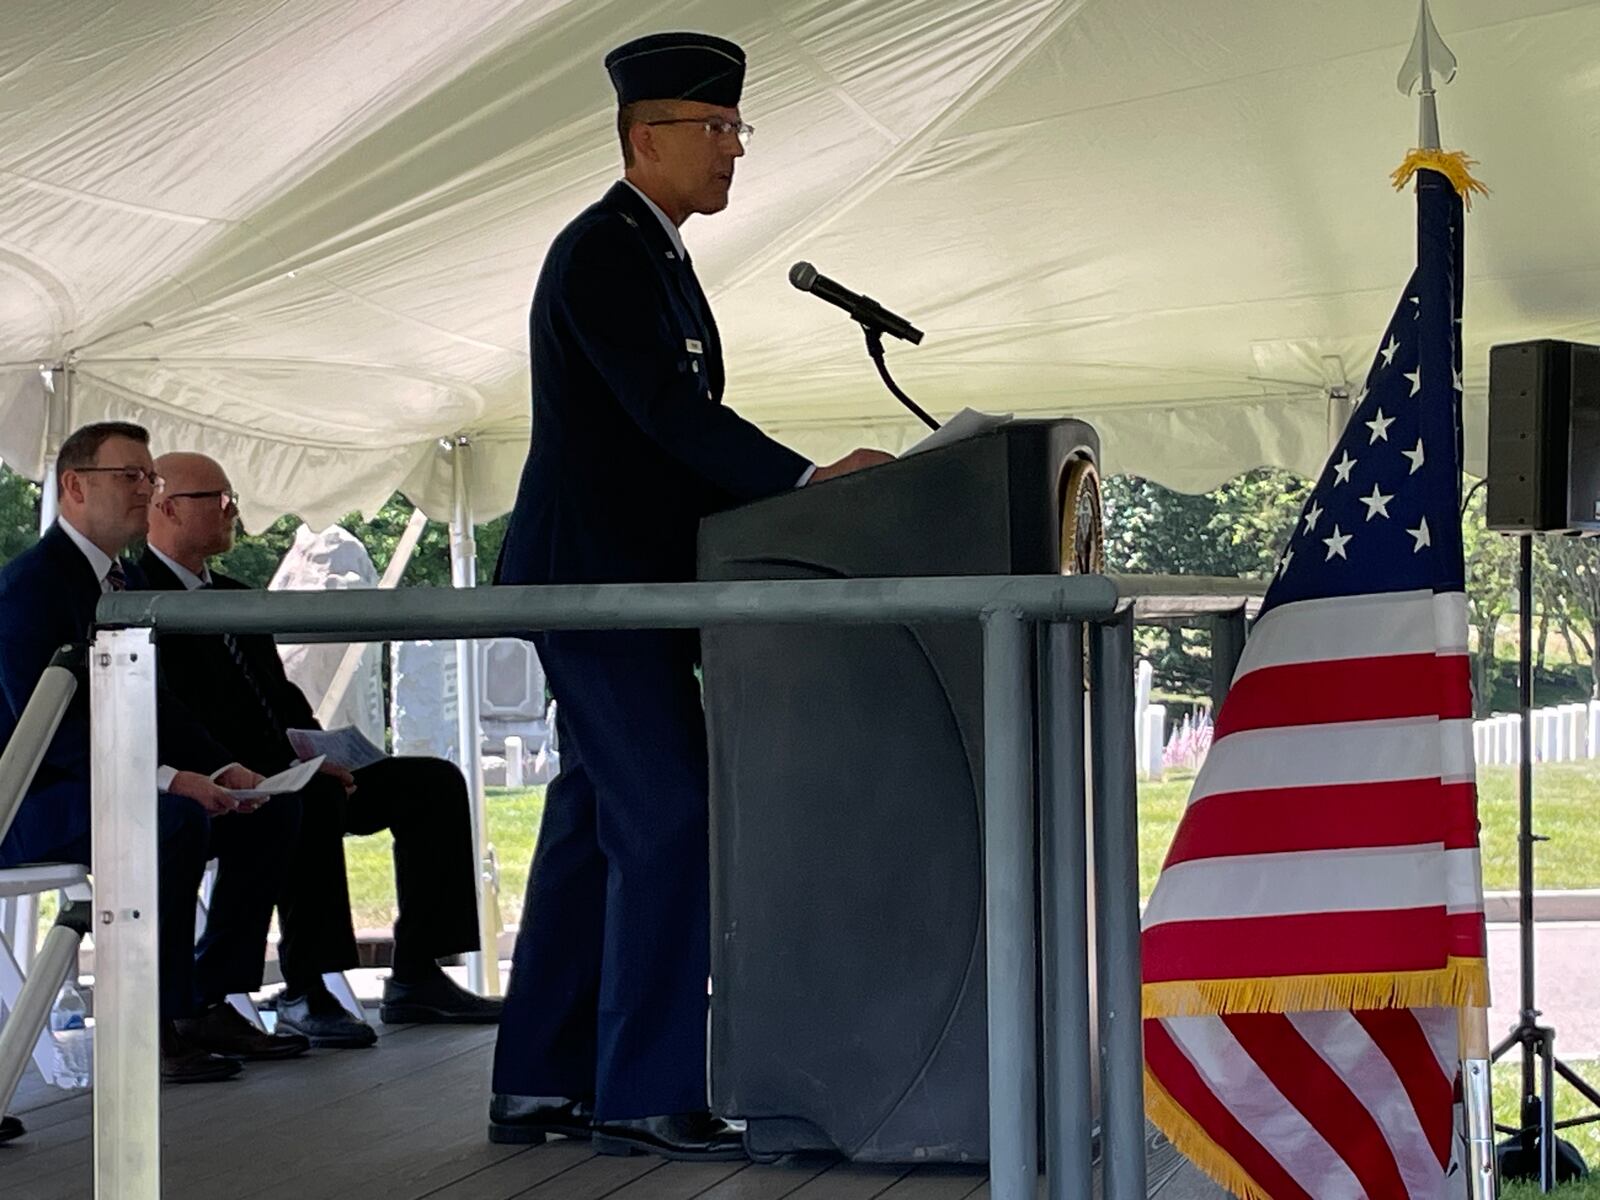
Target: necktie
point(116, 577)
point(236, 652)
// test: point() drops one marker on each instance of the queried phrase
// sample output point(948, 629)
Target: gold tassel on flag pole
point(1429, 54)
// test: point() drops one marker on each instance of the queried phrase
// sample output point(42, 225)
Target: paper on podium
point(284, 782)
point(965, 424)
point(345, 747)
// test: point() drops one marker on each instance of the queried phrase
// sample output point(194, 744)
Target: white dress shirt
point(185, 576)
point(100, 561)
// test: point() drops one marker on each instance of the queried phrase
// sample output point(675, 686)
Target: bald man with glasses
point(239, 688)
point(105, 485)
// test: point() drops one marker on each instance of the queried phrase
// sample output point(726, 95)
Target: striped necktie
point(116, 577)
point(236, 652)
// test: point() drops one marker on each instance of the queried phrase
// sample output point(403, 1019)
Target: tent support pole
point(483, 966)
point(56, 421)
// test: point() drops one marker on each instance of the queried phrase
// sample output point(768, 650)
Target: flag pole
point(1429, 54)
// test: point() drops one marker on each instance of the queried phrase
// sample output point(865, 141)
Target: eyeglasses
point(714, 127)
point(225, 497)
point(130, 474)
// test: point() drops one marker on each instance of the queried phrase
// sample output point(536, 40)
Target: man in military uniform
point(604, 1029)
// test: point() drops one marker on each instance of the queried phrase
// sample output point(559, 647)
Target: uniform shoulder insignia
point(629, 220)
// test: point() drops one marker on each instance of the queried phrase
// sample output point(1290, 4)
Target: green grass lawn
point(1567, 810)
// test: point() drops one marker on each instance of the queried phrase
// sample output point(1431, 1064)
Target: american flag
point(1321, 908)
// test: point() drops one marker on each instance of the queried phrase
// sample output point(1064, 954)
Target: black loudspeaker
point(1544, 437)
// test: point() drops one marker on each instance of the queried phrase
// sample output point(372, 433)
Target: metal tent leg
point(1063, 870)
point(1010, 906)
point(127, 1108)
point(1116, 857)
point(483, 966)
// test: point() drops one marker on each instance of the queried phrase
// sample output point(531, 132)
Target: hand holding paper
point(346, 747)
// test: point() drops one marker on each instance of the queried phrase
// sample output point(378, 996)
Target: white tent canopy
point(301, 234)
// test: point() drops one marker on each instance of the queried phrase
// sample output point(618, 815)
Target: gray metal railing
point(1013, 611)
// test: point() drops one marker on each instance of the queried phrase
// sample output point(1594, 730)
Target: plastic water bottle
point(70, 1028)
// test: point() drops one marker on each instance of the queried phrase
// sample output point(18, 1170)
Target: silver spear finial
point(1428, 55)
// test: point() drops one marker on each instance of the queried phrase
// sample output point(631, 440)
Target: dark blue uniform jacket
point(631, 442)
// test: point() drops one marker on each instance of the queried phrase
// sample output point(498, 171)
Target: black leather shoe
point(223, 1030)
point(528, 1120)
point(324, 1021)
point(10, 1129)
point(683, 1137)
point(436, 1001)
point(184, 1063)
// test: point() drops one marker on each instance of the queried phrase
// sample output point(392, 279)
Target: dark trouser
point(423, 802)
point(251, 850)
point(607, 1000)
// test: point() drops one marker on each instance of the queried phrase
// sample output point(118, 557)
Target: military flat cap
point(678, 66)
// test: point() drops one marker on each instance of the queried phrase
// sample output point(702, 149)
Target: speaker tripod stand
point(1534, 1151)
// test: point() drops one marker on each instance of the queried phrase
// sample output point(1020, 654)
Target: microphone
point(861, 308)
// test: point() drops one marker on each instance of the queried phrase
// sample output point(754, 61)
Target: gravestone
point(423, 699)
point(328, 561)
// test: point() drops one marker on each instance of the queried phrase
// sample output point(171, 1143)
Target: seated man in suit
point(248, 704)
point(105, 482)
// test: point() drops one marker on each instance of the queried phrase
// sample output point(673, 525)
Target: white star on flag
point(1336, 543)
point(1416, 380)
point(1416, 300)
point(1455, 379)
point(1421, 534)
point(1377, 503)
point(1361, 396)
point(1379, 426)
point(1415, 456)
point(1342, 469)
point(1388, 351)
point(1283, 563)
point(1313, 515)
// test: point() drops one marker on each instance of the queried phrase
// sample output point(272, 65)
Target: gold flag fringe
point(1454, 165)
point(1184, 1132)
point(1462, 983)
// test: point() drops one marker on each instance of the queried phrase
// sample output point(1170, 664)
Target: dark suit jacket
point(631, 442)
point(48, 595)
point(200, 670)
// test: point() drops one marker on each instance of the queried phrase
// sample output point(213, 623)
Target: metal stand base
point(1524, 1154)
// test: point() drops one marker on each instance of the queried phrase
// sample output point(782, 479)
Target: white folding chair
point(30, 979)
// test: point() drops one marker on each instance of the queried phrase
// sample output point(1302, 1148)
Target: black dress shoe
point(683, 1137)
point(435, 1001)
point(324, 1021)
point(10, 1129)
point(185, 1063)
point(528, 1120)
point(223, 1030)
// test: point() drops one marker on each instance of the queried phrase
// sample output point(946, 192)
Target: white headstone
point(1143, 678)
point(514, 761)
point(1153, 746)
point(328, 561)
point(422, 699)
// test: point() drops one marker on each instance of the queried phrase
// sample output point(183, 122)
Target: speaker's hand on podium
point(857, 460)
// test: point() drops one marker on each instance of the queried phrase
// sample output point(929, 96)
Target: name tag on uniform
point(693, 346)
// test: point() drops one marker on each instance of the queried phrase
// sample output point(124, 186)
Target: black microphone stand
point(875, 349)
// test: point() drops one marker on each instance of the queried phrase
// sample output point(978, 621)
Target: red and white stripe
point(1332, 830)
